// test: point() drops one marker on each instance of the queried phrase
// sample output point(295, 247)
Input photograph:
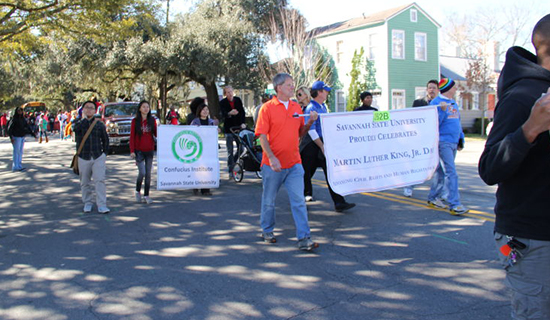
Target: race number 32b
point(381, 116)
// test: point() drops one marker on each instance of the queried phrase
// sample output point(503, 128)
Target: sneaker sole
point(431, 205)
point(458, 213)
point(309, 248)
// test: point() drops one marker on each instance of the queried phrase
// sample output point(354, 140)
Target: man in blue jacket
point(451, 138)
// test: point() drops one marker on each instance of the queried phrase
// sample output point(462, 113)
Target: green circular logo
point(187, 146)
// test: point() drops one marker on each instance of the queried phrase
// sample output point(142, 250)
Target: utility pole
point(167, 11)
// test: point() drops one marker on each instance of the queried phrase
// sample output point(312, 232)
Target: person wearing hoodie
point(451, 139)
point(517, 158)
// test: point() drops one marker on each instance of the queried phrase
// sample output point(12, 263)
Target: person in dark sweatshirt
point(517, 158)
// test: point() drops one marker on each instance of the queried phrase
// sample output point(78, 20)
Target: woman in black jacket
point(18, 128)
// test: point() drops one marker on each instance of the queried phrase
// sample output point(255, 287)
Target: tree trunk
point(213, 99)
point(162, 89)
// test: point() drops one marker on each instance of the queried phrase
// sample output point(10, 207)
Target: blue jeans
point(293, 179)
point(446, 178)
point(18, 143)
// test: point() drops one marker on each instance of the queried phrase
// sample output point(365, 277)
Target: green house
point(402, 42)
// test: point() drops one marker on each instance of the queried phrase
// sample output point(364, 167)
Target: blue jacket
point(450, 129)
point(319, 108)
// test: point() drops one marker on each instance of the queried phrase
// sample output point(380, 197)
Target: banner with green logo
point(187, 157)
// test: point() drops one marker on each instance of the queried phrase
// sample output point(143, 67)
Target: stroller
point(249, 154)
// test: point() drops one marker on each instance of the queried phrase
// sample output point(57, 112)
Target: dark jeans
point(144, 163)
point(4, 131)
point(312, 157)
point(231, 155)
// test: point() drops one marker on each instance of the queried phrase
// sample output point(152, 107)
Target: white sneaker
point(138, 196)
point(308, 198)
point(148, 200)
point(408, 192)
point(88, 207)
point(103, 210)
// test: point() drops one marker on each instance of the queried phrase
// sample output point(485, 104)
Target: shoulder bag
point(74, 163)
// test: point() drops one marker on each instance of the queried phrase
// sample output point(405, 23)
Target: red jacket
point(145, 142)
point(3, 120)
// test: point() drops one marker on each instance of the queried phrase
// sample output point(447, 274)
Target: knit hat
point(364, 94)
point(446, 84)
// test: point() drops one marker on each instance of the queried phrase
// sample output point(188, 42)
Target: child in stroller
point(249, 153)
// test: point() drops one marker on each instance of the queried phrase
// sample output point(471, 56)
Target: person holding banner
point(432, 90)
point(451, 139)
point(312, 149)
point(143, 133)
point(279, 133)
point(202, 119)
point(517, 158)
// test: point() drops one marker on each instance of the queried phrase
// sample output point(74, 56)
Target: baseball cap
point(320, 85)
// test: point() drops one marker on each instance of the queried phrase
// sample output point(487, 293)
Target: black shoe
point(341, 207)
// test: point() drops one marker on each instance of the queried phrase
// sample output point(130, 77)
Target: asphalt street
point(194, 257)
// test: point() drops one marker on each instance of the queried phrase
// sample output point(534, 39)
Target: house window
point(398, 99)
point(340, 101)
point(419, 92)
point(420, 47)
point(475, 101)
point(398, 44)
point(414, 15)
point(372, 46)
point(339, 51)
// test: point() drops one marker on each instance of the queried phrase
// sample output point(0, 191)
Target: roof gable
point(365, 21)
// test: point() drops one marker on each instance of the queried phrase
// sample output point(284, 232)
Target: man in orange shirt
point(280, 129)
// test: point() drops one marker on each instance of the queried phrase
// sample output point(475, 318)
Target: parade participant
point(366, 100)
point(233, 115)
point(143, 133)
point(18, 128)
point(195, 103)
point(4, 124)
point(202, 119)
point(432, 90)
point(303, 97)
point(312, 148)
point(91, 160)
point(451, 139)
point(279, 134)
point(43, 127)
point(173, 117)
point(516, 157)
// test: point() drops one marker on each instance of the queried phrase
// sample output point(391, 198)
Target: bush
point(477, 125)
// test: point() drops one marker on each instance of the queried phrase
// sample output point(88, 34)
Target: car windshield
point(120, 110)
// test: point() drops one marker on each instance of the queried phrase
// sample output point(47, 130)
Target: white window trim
point(475, 104)
point(392, 46)
point(419, 92)
point(414, 15)
point(404, 95)
point(340, 94)
point(425, 46)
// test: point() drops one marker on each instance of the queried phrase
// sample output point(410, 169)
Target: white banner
point(187, 157)
point(364, 155)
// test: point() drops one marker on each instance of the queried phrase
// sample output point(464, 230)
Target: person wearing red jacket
point(142, 148)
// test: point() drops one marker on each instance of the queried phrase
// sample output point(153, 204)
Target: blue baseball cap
point(320, 85)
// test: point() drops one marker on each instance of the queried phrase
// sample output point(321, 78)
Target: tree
point(22, 19)
point(306, 61)
point(363, 77)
